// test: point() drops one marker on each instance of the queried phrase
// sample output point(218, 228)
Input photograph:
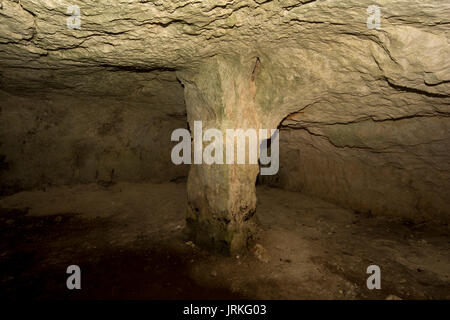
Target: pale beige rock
point(364, 111)
point(261, 253)
point(222, 197)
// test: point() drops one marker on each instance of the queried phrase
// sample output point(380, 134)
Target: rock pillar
point(222, 197)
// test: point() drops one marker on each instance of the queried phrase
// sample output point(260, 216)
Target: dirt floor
point(129, 242)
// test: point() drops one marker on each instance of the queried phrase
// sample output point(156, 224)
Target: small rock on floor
point(261, 253)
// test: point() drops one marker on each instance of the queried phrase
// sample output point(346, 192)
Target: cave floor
point(129, 242)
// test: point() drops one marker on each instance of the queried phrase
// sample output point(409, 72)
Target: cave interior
point(89, 101)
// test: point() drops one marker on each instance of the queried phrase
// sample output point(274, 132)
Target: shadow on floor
point(36, 251)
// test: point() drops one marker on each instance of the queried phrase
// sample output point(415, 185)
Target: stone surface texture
point(364, 113)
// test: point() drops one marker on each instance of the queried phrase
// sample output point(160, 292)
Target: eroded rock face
point(97, 126)
point(364, 112)
point(397, 167)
